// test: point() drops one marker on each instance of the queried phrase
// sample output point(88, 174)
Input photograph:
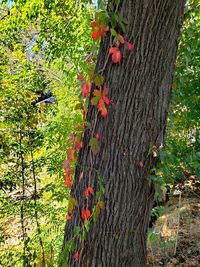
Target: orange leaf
point(68, 217)
point(95, 34)
point(94, 24)
point(97, 93)
point(104, 112)
point(98, 33)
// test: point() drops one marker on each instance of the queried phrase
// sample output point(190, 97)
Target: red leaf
point(100, 29)
point(76, 255)
point(68, 181)
point(85, 214)
point(106, 100)
point(97, 136)
point(116, 55)
point(78, 145)
point(88, 191)
point(94, 24)
point(86, 89)
point(113, 50)
point(68, 172)
point(95, 34)
point(104, 112)
point(129, 46)
point(101, 104)
point(105, 91)
point(86, 194)
point(71, 155)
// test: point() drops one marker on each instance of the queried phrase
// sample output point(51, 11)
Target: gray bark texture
point(139, 88)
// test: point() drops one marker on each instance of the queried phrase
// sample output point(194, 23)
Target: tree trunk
point(139, 88)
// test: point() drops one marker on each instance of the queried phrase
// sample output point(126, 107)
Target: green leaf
point(70, 246)
point(77, 230)
point(113, 32)
point(94, 144)
point(95, 100)
point(78, 106)
point(87, 225)
point(98, 79)
point(96, 212)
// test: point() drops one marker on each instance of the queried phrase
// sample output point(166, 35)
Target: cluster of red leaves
point(116, 54)
point(86, 87)
point(114, 51)
point(101, 100)
point(85, 214)
point(76, 255)
point(77, 144)
point(99, 31)
point(88, 191)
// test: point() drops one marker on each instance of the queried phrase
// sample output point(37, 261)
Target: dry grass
point(175, 238)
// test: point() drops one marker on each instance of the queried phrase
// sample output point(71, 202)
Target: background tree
point(131, 137)
point(26, 72)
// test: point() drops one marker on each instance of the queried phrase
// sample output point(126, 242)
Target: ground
point(174, 239)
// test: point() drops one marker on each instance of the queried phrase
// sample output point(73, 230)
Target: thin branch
point(35, 201)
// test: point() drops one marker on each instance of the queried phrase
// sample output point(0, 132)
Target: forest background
point(43, 46)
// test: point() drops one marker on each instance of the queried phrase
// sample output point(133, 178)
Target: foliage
point(34, 135)
point(181, 156)
point(47, 45)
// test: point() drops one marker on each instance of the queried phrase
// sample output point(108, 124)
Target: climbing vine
point(95, 92)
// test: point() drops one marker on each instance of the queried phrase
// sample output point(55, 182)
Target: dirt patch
point(175, 238)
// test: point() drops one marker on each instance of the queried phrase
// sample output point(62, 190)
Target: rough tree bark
point(140, 90)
